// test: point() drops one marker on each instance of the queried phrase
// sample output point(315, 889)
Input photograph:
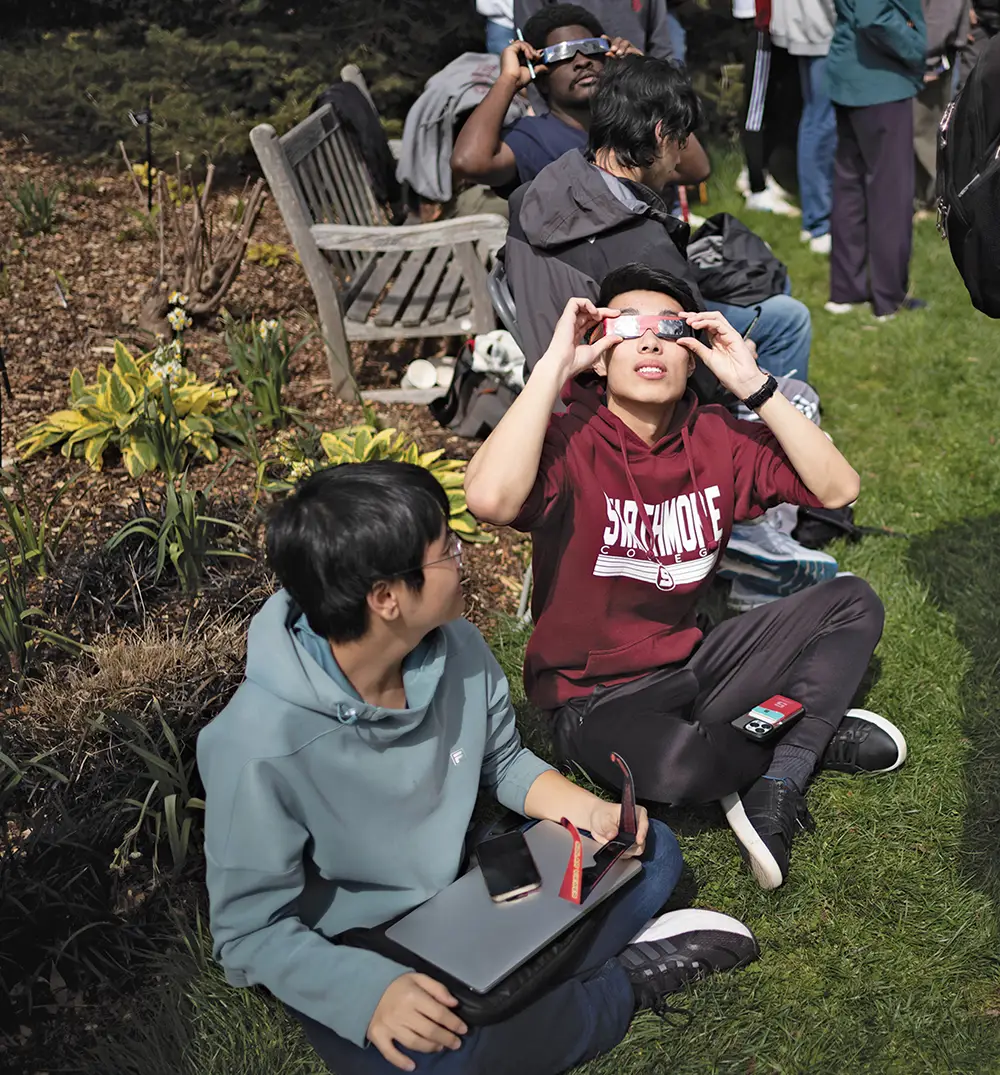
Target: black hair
point(634, 95)
point(555, 16)
point(347, 527)
point(636, 277)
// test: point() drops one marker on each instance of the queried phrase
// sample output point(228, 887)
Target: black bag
point(475, 402)
point(819, 526)
point(732, 264)
point(969, 181)
point(509, 996)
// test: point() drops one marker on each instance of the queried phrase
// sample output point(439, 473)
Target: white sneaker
point(822, 244)
point(776, 188)
point(804, 236)
point(767, 201)
point(743, 182)
point(841, 307)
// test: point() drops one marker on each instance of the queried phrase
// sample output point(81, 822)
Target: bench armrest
point(482, 227)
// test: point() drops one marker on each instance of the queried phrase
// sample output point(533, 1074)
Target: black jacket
point(569, 227)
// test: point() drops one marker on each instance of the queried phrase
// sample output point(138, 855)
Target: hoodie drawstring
point(650, 543)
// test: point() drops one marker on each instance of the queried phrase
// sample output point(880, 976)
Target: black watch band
point(762, 395)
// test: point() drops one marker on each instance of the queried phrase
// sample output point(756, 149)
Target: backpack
point(475, 402)
point(969, 181)
point(732, 264)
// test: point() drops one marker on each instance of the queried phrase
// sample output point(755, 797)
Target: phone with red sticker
point(769, 718)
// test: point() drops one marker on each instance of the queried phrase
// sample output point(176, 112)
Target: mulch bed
point(101, 260)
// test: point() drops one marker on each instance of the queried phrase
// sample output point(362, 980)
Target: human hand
point(727, 355)
point(566, 352)
point(415, 1011)
point(511, 67)
point(605, 821)
point(620, 46)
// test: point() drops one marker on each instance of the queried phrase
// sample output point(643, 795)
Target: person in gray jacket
point(583, 216)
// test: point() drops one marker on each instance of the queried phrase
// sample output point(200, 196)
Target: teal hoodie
point(877, 53)
point(323, 812)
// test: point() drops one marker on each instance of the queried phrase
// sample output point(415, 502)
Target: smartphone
point(508, 868)
point(769, 718)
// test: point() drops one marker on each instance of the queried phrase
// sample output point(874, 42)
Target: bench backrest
point(333, 183)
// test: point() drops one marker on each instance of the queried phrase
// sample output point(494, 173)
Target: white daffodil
point(265, 328)
point(178, 298)
point(178, 319)
point(171, 368)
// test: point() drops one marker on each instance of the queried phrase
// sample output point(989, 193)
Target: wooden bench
point(372, 280)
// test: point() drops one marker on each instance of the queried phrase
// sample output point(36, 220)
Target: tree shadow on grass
point(960, 565)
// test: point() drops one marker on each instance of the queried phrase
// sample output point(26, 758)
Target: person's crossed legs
point(586, 1015)
point(783, 334)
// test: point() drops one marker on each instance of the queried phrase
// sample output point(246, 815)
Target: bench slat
point(426, 287)
point(394, 303)
point(374, 285)
point(446, 292)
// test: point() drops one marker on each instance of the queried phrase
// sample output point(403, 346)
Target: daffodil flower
point(178, 298)
point(178, 319)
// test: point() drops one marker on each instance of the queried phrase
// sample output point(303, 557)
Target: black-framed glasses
point(454, 544)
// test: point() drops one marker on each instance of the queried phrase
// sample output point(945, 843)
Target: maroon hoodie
point(608, 604)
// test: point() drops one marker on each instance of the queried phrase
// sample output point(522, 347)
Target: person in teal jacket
point(875, 67)
point(340, 783)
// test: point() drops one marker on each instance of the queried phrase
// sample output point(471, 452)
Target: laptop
point(479, 942)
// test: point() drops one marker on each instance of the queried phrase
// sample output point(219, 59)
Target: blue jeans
point(585, 1016)
point(783, 334)
point(678, 37)
point(497, 37)
point(817, 147)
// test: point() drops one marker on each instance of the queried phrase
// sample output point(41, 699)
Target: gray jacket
point(803, 27)
point(429, 131)
point(571, 226)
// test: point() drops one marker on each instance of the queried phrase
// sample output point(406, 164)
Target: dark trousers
point(673, 726)
point(585, 1016)
point(872, 221)
point(771, 101)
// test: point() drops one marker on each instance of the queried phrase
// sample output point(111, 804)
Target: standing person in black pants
point(630, 497)
point(874, 70)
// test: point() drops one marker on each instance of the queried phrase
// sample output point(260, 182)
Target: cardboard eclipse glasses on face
point(632, 326)
point(566, 50)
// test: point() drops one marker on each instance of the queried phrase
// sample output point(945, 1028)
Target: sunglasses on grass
point(632, 326)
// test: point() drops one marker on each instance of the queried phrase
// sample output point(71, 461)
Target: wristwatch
point(762, 395)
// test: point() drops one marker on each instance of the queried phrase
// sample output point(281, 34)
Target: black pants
point(872, 220)
point(673, 726)
point(771, 101)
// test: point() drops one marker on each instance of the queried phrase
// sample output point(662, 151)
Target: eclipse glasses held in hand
point(632, 326)
point(578, 882)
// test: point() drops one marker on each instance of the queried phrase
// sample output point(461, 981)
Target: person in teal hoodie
point(340, 784)
point(875, 68)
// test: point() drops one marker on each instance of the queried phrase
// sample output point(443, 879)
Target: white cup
point(419, 374)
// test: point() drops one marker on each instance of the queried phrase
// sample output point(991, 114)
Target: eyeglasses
point(456, 554)
point(632, 326)
point(566, 50)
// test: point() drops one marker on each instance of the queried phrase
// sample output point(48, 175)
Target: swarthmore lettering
point(627, 536)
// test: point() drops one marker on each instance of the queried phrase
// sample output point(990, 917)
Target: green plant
point(169, 808)
point(238, 426)
point(363, 443)
point(20, 631)
point(116, 411)
point(261, 353)
point(184, 533)
point(30, 526)
point(270, 255)
point(35, 208)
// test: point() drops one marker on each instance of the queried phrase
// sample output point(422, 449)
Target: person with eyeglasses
point(630, 497)
point(340, 783)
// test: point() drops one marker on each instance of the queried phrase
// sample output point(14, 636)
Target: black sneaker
point(681, 947)
point(865, 743)
point(765, 820)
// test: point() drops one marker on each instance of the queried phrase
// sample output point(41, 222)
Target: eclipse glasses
point(632, 326)
point(566, 50)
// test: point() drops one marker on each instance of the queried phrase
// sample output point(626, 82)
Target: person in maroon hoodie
point(630, 497)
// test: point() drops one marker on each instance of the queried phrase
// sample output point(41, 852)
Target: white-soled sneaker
point(681, 947)
point(864, 743)
point(832, 307)
point(821, 244)
point(767, 201)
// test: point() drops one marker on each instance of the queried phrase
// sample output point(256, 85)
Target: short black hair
point(633, 96)
point(555, 16)
point(345, 528)
point(636, 277)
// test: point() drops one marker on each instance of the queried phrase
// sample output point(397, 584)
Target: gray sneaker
point(774, 560)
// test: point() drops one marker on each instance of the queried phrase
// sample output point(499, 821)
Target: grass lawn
point(880, 953)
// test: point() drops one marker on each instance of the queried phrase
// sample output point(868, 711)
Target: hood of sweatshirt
point(572, 200)
point(281, 665)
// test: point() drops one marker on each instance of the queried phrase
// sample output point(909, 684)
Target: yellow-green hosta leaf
point(66, 421)
point(103, 376)
point(120, 396)
point(141, 452)
point(463, 524)
point(206, 446)
point(410, 455)
point(88, 431)
point(38, 439)
point(362, 445)
point(449, 480)
point(427, 458)
point(93, 453)
point(76, 384)
point(127, 366)
point(196, 423)
point(456, 501)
